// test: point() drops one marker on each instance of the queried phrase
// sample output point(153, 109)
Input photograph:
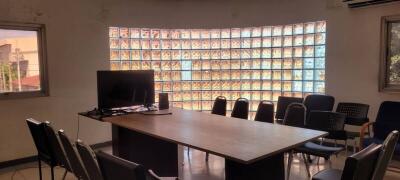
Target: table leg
point(269, 168)
point(158, 155)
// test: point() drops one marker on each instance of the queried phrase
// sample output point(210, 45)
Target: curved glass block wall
point(197, 65)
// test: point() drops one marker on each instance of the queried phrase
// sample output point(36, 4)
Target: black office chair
point(386, 121)
point(73, 157)
point(241, 108)
point(359, 166)
point(57, 148)
point(219, 106)
point(318, 102)
point(265, 112)
point(368, 164)
point(356, 115)
point(282, 104)
point(89, 160)
point(388, 148)
point(113, 167)
point(295, 115)
point(43, 146)
point(323, 121)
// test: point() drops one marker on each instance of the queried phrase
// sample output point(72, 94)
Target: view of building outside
point(19, 61)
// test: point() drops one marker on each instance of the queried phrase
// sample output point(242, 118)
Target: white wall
point(78, 46)
point(353, 52)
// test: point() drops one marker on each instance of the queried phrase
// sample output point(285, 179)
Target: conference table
point(252, 150)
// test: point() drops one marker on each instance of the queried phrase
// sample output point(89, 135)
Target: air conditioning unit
point(362, 3)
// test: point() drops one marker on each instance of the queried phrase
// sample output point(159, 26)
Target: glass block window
point(196, 65)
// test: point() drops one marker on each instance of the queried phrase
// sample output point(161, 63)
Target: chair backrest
point(41, 140)
point(295, 115)
point(319, 102)
point(113, 167)
point(360, 166)
point(241, 108)
point(356, 113)
point(326, 121)
point(283, 103)
point(388, 148)
point(219, 106)
point(265, 112)
point(56, 146)
point(89, 160)
point(387, 119)
point(73, 157)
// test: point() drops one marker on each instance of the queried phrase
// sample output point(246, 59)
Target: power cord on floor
point(24, 168)
point(77, 132)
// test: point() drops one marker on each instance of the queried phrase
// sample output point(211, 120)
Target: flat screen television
point(117, 89)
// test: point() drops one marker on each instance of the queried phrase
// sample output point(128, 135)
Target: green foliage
point(394, 75)
point(5, 69)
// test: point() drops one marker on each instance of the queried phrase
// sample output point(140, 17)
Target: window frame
point(42, 57)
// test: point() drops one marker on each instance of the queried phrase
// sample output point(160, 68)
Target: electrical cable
point(24, 168)
point(77, 132)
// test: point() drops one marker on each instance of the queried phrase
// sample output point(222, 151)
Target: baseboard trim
point(15, 162)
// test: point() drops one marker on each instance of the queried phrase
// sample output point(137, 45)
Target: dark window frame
point(42, 55)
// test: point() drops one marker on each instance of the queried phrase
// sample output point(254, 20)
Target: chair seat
point(368, 141)
point(328, 174)
point(318, 150)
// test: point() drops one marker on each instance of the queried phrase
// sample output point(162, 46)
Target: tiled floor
point(194, 168)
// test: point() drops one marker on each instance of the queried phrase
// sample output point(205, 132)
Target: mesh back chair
point(73, 157)
point(43, 146)
point(386, 155)
point(386, 121)
point(356, 115)
point(359, 166)
point(57, 148)
point(219, 106)
point(318, 102)
point(326, 121)
point(113, 167)
point(265, 112)
point(323, 121)
point(295, 115)
point(282, 104)
point(241, 108)
point(89, 160)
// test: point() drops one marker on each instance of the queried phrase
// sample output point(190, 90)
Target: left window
point(22, 60)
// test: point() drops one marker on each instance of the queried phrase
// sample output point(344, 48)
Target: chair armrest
point(364, 127)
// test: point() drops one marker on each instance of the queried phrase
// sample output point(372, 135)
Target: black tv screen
point(125, 88)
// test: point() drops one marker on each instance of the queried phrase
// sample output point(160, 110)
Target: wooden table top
point(236, 139)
